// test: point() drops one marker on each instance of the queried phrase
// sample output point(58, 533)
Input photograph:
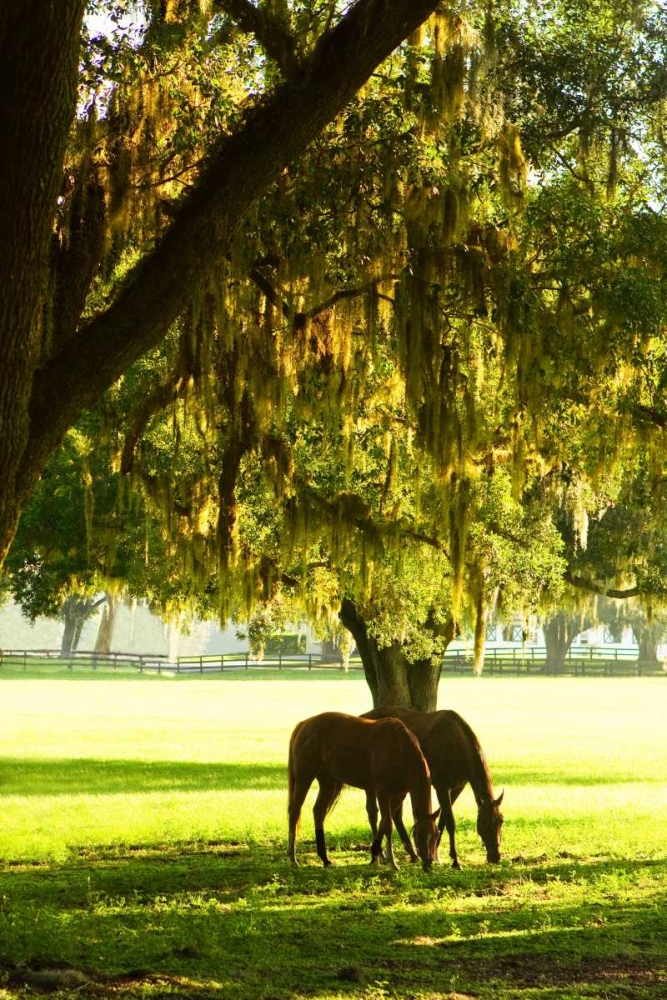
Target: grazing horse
point(381, 757)
point(455, 758)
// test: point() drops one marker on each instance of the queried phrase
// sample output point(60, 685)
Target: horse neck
point(479, 777)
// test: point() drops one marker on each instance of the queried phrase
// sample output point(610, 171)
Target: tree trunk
point(39, 49)
point(107, 623)
point(67, 641)
point(75, 612)
point(480, 633)
point(391, 677)
point(559, 632)
point(648, 638)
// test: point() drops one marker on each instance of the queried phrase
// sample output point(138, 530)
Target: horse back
point(448, 743)
point(357, 751)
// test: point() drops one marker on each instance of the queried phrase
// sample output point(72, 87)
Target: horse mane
point(481, 784)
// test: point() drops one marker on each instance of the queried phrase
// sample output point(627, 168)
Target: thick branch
point(271, 33)
point(166, 393)
point(239, 170)
point(353, 509)
point(349, 293)
point(597, 588)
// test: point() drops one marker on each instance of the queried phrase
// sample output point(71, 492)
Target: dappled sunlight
point(485, 933)
point(215, 920)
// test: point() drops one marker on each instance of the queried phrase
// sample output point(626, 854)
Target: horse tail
point(334, 799)
point(291, 767)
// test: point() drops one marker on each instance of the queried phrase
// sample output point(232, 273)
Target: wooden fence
point(26, 658)
point(507, 661)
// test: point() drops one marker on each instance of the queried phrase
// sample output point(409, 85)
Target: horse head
point(425, 835)
point(490, 826)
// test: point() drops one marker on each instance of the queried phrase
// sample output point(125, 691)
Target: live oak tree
point(473, 228)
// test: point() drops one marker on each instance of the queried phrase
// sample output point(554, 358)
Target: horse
point(454, 757)
point(382, 757)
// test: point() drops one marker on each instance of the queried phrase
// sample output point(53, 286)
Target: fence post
point(201, 664)
point(280, 659)
point(310, 661)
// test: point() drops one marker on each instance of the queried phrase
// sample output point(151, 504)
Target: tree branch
point(350, 293)
point(271, 32)
point(164, 394)
point(596, 588)
point(240, 168)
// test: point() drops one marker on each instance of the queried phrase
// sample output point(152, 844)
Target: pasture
point(143, 847)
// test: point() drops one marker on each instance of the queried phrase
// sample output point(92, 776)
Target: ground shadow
point(63, 776)
point(244, 925)
point(516, 774)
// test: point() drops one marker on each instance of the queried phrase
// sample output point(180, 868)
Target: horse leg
point(403, 833)
point(447, 820)
point(298, 792)
point(329, 791)
point(387, 805)
point(372, 813)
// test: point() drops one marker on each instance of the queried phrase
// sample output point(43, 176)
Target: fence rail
point(591, 661)
point(89, 659)
point(619, 661)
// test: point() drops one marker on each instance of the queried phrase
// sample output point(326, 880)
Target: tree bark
point(649, 637)
point(39, 48)
point(391, 677)
point(74, 613)
point(42, 395)
point(559, 633)
point(107, 623)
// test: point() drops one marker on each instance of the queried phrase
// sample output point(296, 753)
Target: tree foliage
point(363, 289)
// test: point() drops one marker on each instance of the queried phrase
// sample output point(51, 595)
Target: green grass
point(142, 847)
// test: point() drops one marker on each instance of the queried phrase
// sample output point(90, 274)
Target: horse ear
point(500, 798)
point(435, 815)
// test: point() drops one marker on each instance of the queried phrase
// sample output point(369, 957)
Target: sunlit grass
point(112, 762)
point(144, 827)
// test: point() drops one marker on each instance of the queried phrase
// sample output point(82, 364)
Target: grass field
point(142, 847)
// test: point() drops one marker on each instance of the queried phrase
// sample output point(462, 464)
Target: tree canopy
point(354, 289)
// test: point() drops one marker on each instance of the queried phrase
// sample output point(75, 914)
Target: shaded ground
point(226, 923)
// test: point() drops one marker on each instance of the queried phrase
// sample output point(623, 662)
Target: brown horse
point(381, 757)
point(455, 758)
